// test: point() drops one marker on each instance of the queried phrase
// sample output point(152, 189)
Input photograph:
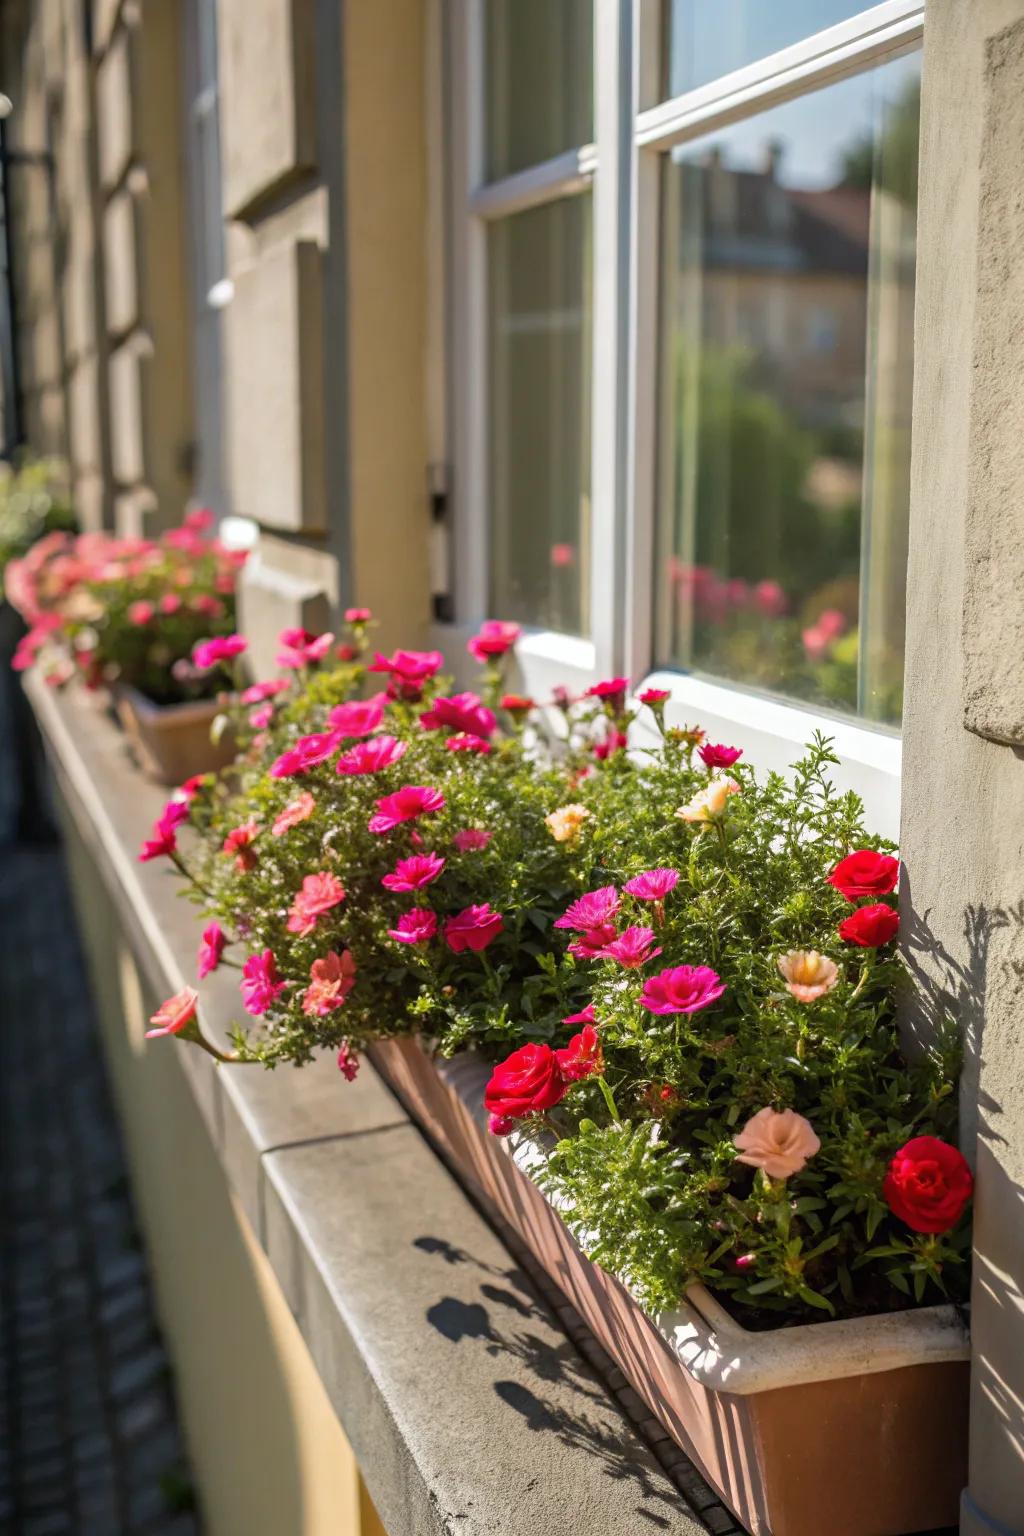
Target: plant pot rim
point(185, 711)
point(718, 1351)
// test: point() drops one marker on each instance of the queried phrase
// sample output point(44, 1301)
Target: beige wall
point(267, 1452)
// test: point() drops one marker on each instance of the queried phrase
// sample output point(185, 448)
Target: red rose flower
point(928, 1184)
point(871, 926)
point(865, 873)
point(525, 1083)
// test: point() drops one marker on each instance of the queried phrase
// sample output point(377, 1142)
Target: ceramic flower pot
point(172, 741)
point(856, 1427)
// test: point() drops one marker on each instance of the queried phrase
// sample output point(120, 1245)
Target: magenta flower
point(371, 756)
point(473, 928)
point(653, 884)
point(719, 756)
point(611, 691)
point(471, 839)
point(591, 910)
point(652, 696)
point(210, 949)
point(261, 716)
point(170, 604)
point(500, 1125)
point(258, 693)
point(586, 1016)
point(414, 873)
point(358, 615)
point(467, 743)
point(593, 942)
point(360, 717)
point(348, 1062)
point(417, 926)
point(319, 893)
point(210, 653)
point(172, 1015)
point(307, 752)
point(406, 804)
point(407, 671)
point(771, 599)
point(495, 638)
point(464, 713)
point(301, 649)
point(261, 984)
point(632, 949)
point(163, 842)
point(682, 989)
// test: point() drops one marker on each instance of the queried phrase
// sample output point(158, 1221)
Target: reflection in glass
point(708, 40)
point(539, 402)
point(539, 80)
point(787, 370)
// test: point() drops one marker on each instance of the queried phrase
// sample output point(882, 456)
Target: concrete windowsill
point(468, 1407)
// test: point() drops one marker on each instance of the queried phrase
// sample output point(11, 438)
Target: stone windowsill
point(468, 1407)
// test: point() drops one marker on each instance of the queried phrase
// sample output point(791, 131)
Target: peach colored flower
point(295, 811)
point(709, 802)
point(330, 981)
point(564, 824)
point(173, 1015)
point(778, 1142)
point(807, 974)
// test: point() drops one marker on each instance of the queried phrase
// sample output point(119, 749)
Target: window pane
point(706, 41)
point(787, 363)
point(540, 66)
point(539, 392)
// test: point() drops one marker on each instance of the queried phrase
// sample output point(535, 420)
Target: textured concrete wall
point(963, 795)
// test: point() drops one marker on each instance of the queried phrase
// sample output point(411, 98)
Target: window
point(680, 285)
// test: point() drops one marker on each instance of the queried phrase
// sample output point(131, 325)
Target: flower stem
point(609, 1099)
point(183, 869)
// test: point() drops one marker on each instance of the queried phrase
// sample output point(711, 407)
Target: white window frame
point(632, 131)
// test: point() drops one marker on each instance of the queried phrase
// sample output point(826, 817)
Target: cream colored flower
point(807, 974)
point(565, 823)
point(710, 801)
point(777, 1142)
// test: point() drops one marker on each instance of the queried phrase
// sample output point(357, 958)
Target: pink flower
point(358, 615)
point(473, 928)
point(719, 756)
point(582, 1057)
point(261, 717)
point(407, 671)
point(307, 752)
point(330, 982)
point(466, 743)
point(295, 811)
point(199, 520)
point(360, 717)
point(653, 884)
point(319, 893)
point(192, 786)
point(586, 1016)
point(209, 606)
point(301, 649)
point(562, 556)
point(682, 989)
point(591, 910)
point(414, 873)
point(211, 653)
point(258, 692)
point(371, 756)
point(771, 599)
point(406, 804)
point(239, 841)
point(140, 613)
point(632, 948)
point(816, 642)
point(417, 926)
point(494, 639)
point(210, 949)
point(464, 712)
point(471, 839)
point(348, 1062)
point(173, 1015)
point(170, 603)
point(163, 841)
point(652, 696)
point(778, 1143)
point(615, 741)
point(593, 941)
point(612, 691)
point(261, 984)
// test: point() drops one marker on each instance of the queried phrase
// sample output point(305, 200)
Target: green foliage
point(34, 501)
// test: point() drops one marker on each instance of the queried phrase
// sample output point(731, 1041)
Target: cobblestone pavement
point(89, 1442)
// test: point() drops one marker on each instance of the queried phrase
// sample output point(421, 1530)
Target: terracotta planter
point(854, 1428)
point(172, 741)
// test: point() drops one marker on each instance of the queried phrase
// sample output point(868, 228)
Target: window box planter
point(857, 1426)
point(172, 741)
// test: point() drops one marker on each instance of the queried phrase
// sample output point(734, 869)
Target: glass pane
point(787, 371)
point(708, 40)
point(539, 396)
point(540, 69)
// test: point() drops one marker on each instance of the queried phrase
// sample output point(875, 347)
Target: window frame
point(621, 167)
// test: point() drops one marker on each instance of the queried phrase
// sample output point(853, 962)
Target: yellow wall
point(268, 1455)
